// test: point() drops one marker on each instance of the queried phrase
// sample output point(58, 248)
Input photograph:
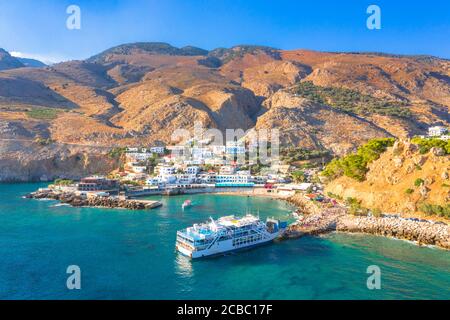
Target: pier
point(315, 224)
point(93, 200)
point(318, 220)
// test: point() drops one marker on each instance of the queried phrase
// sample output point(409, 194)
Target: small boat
point(186, 204)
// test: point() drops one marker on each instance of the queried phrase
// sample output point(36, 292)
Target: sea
point(122, 254)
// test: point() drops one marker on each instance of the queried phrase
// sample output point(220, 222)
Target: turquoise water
point(130, 255)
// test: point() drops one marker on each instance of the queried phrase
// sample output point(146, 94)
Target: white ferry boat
point(227, 234)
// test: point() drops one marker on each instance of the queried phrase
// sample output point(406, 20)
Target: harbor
point(132, 243)
point(315, 215)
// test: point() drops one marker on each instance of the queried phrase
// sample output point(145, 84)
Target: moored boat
point(186, 204)
point(227, 234)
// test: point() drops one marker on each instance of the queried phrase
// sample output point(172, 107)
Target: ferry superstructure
point(227, 234)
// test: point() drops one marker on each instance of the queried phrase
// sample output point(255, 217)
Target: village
point(202, 167)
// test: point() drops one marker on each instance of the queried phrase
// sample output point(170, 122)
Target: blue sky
point(38, 27)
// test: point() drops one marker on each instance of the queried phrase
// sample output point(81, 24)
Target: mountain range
point(9, 62)
point(139, 93)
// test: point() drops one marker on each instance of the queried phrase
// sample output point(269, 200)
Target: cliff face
point(315, 126)
point(392, 183)
point(141, 93)
point(25, 161)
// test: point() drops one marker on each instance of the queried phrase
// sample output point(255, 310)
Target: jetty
point(318, 220)
point(93, 200)
point(315, 224)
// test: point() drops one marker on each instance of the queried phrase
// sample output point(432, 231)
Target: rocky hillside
point(406, 179)
point(140, 93)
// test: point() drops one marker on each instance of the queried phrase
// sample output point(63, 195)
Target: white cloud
point(47, 59)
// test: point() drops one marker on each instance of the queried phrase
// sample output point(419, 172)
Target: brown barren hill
point(140, 93)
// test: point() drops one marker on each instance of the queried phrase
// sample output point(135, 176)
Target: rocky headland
point(317, 220)
point(423, 232)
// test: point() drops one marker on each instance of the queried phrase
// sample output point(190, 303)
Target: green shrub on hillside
point(335, 196)
point(351, 101)
point(117, 152)
point(425, 144)
point(377, 212)
point(63, 182)
point(355, 207)
point(356, 165)
point(43, 113)
point(298, 176)
point(43, 141)
point(435, 210)
point(293, 154)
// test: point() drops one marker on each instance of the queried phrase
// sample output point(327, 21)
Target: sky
point(37, 28)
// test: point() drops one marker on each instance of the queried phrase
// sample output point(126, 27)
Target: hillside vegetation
point(356, 165)
point(406, 179)
point(425, 145)
point(351, 101)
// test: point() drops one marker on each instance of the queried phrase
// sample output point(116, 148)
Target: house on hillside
point(437, 131)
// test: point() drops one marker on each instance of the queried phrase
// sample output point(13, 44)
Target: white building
point(208, 178)
point(202, 153)
point(235, 148)
point(153, 181)
point(158, 150)
point(218, 149)
point(138, 169)
point(194, 162)
point(192, 170)
point(185, 178)
point(177, 151)
point(437, 131)
point(233, 179)
point(166, 179)
point(138, 156)
point(227, 170)
point(276, 178)
point(260, 179)
point(165, 170)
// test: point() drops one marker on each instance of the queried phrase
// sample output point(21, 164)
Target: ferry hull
point(223, 248)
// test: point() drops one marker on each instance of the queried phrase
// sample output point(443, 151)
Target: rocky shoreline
point(318, 221)
point(422, 232)
point(94, 201)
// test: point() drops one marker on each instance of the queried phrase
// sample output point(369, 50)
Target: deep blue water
point(130, 255)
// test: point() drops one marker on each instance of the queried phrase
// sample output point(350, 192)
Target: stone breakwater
point(424, 233)
point(315, 224)
point(94, 201)
point(318, 220)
